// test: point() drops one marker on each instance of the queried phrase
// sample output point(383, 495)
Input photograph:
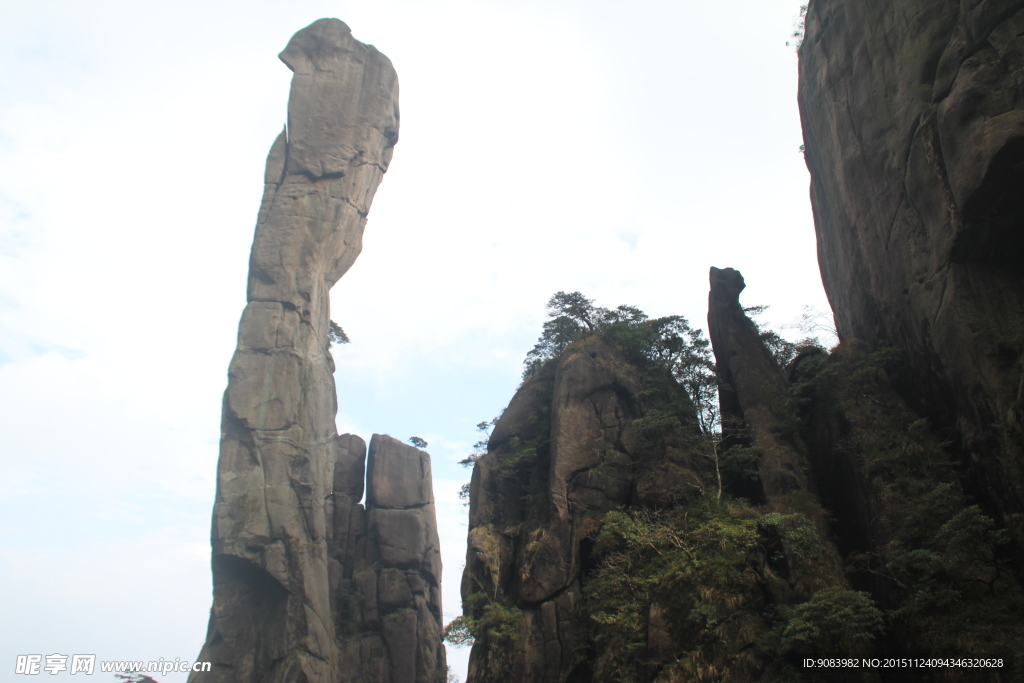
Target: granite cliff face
point(597, 536)
point(288, 532)
point(872, 497)
point(557, 459)
point(836, 443)
point(867, 500)
point(753, 396)
point(564, 453)
point(756, 412)
point(913, 119)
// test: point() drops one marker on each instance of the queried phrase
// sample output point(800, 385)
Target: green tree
point(336, 335)
point(571, 317)
point(834, 620)
point(494, 620)
point(575, 307)
point(479, 451)
point(782, 350)
point(667, 344)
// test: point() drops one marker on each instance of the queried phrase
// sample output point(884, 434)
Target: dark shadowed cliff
point(913, 118)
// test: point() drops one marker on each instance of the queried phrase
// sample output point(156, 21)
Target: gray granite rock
point(561, 456)
point(398, 475)
point(307, 584)
point(390, 564)
point(753, 393)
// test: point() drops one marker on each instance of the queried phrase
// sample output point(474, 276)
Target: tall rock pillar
point(756, 412)
point(271, 619)
point(753, 392)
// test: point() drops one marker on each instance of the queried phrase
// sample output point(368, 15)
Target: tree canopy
point(336, 335)
point(669, 342)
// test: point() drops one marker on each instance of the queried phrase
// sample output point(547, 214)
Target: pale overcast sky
point(616, 148)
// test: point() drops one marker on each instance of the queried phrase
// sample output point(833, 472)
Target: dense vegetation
point(934, 559)
point(709, 581)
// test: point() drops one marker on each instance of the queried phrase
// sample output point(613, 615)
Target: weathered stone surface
point(753, 392)
point(350, 467)
point(913, 119)
point(391, 564)
point(398, 476)
point(401, 536)
point(884, 474)
point(559, 458)
point(295, 580)
point(398, 630)
point(756, 412)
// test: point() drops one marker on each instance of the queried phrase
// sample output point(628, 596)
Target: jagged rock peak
point(755, 409)
point(343, 109)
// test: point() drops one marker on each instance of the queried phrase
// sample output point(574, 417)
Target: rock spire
point(288, 529)
point(753, 392)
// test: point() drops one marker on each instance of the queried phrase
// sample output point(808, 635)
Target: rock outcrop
point(900, 517)
point(753, 396)
point(287, 526)
point(913, 120)
point(756, 411)
point(873, 495)
point(561, 456)
point(600, 546)
point(385, 566)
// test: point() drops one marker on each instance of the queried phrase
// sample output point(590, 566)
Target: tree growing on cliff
point(571, 317)
point(835, 619)
point(819, 326)
point(782, 350)
point(336, 335)
point(479, 451)
point(668, 341)
point(666, 345)
point(797, 38)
